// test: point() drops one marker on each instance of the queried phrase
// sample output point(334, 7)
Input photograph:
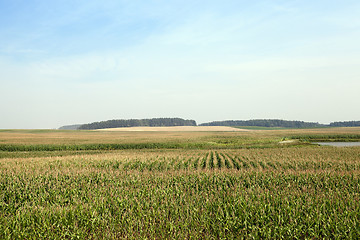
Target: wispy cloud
point(159, 58)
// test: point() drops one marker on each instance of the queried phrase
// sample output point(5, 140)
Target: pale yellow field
point(178, 129)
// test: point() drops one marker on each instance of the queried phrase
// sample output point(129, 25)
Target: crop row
point(180, 160)
point(293, 159)
point(216, 160)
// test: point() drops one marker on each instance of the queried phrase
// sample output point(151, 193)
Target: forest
point(280, 123)
point(265, 123)
point(345, 124)
point(153, 122)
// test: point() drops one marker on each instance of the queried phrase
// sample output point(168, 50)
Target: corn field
point(290, 192)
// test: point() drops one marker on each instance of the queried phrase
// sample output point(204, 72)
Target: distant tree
point(70, 127)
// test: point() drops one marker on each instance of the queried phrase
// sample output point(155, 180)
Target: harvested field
point(178, 129)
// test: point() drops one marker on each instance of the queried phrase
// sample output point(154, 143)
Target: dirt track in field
point(177, 129)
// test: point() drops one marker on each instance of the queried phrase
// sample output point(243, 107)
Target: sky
point(66, 62)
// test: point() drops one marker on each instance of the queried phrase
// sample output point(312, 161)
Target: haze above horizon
point(67, 62)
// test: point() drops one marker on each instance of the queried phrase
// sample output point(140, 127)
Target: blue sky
point(67, 62)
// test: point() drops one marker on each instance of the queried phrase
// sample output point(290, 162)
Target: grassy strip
point(330, 137)
point(33, 154)
point(123, 146)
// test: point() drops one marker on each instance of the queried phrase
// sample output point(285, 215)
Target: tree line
point(280, 123)
point(345, 124)
point(168, 122)
point(265, 123)
point(153, 122)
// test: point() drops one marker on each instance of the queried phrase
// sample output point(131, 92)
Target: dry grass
point(90, 137)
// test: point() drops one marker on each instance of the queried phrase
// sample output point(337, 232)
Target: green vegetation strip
point(124, 146)
point(330, 137)
point(48, 147)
